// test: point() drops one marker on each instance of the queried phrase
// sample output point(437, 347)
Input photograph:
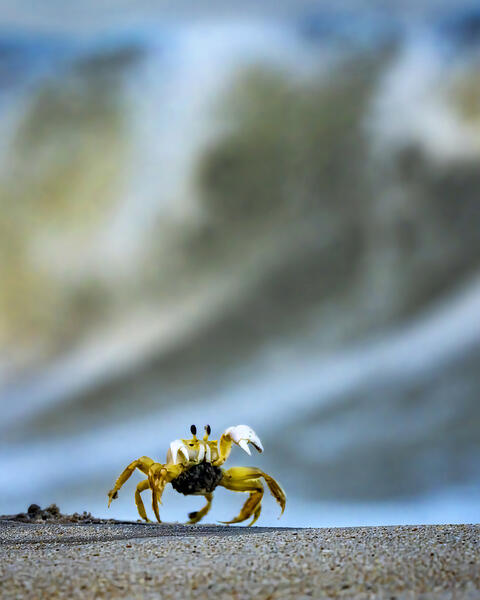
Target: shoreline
point(141, 560)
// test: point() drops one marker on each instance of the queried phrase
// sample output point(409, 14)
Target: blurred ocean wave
point(250, 222)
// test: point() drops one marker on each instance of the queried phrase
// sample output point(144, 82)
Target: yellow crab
point(193, 468)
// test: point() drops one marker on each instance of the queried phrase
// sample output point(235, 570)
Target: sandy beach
point(135, 560)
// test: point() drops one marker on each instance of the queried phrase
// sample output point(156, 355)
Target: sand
point(134, 560)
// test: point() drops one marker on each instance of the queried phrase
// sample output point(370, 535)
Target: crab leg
point(252, 506)
point(246, 479)
point(144, 463)
point(198, 515)
point(158, 477)
point(141, 487)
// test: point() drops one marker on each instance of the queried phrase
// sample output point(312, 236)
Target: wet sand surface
point(135, 560)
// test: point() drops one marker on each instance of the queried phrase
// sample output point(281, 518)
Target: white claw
point(244, 445)
point(175, 447)
point(242, 435)
point(208, 453)
point(201, 452)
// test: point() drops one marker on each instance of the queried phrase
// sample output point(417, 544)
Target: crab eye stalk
point(193, 429)
point(207, 432)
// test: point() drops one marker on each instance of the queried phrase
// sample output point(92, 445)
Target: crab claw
point(208, 453)
point(243, 435)
point(201, 453)
point(175, 447)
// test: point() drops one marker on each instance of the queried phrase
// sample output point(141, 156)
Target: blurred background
point(258, 212)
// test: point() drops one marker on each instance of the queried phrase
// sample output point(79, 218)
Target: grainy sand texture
point(115, 560)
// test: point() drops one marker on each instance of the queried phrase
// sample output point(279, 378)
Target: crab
point(193, 467)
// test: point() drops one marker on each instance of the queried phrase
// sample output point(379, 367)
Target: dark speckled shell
point(199, 479)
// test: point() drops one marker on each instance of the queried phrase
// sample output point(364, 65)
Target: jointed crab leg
point(158, 477)
point(141, 487)
point(144, 463)
point(196, 516)
point(252, 506)
point(246, 479)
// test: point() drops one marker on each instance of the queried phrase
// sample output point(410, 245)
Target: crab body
point(194, 468)
point(198, 480)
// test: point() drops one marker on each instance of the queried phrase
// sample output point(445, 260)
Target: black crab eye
point(193, 429)
point(208, 429)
